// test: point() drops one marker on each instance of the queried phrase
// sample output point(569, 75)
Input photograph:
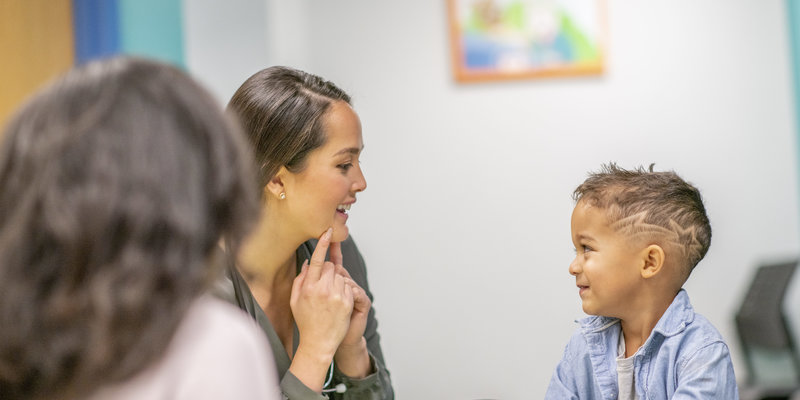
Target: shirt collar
point(678, 316)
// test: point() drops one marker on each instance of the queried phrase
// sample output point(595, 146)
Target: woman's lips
point(342, 209)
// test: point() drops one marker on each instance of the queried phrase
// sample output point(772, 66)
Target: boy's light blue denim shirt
point(683, 358)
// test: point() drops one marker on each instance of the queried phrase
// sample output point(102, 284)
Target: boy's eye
point(584, 249)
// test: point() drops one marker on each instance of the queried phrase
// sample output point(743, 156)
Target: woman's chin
point(340, 233)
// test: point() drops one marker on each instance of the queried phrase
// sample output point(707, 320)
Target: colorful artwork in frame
point(514, 39)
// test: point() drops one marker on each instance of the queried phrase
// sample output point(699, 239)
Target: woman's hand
point(352, 356)
point(322, 304)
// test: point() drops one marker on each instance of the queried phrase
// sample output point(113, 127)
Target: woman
point(318, 318)
point(116, 184)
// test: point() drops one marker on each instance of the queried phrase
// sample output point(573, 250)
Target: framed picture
point(517, 39)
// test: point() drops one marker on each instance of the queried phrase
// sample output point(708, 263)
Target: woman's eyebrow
point(350, 150)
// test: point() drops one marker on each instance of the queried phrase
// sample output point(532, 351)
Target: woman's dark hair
point(280, 109)
point(116, 183)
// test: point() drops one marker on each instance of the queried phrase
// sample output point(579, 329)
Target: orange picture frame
point(523, 39)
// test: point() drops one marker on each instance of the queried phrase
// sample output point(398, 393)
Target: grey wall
point(465, 224)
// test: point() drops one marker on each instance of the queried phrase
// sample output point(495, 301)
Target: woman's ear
point(653, 261)
point(276, 186)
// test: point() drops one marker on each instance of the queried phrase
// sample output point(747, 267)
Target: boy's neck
point(637, 327)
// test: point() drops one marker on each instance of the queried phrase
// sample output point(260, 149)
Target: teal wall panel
point(793, 11)
point(152, 28)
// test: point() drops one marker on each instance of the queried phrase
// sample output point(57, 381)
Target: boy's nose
point(574, 268)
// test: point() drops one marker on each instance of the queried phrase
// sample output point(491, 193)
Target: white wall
point(227, 41)
point(465, 225)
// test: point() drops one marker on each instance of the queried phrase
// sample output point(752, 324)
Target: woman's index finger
point(318, 257)
point(336, 253)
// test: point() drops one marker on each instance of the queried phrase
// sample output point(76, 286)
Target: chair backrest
point(767, 342)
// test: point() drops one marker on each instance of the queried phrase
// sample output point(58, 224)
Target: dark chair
point(768, 345)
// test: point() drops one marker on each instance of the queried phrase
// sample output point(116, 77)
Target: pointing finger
point(336, 253)
point(318, 257)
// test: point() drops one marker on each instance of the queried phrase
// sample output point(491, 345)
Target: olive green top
point(377, 385)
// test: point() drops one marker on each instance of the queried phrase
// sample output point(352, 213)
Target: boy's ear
point(653, 261)
point(276, 184)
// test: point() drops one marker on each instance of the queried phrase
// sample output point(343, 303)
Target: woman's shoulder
point(220, 320)
point(215, 331)
point(217, 350)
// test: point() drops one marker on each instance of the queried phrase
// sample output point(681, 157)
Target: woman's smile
point(323, 192)
point(342, 210)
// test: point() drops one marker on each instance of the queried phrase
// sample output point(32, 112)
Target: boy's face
point(606, 265)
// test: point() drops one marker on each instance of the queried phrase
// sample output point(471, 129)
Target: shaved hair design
point(655, 206)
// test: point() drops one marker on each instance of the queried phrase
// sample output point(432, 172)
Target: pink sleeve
point(231, 360)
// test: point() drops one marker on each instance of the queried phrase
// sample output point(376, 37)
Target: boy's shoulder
point(683, 352)
point(682, 334)
point(680, 319)
point(680, 328)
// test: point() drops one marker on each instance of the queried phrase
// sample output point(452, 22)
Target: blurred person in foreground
point(117, 183)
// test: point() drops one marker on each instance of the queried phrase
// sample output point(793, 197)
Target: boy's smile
point(606, 264)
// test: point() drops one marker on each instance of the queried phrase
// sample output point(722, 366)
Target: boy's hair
point(651, 205)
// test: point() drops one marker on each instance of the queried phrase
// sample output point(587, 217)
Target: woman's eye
point(345, 167)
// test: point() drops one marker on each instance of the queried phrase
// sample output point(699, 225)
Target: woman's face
point(319, 196)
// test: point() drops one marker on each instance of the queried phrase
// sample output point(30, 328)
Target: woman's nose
point(360, 184)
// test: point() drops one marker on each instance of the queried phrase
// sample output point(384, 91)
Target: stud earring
point(282, 195)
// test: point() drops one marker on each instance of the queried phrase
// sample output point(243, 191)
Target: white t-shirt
point(625, 375)
point(217, 352)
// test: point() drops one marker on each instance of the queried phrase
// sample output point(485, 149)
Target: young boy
point(638, 234)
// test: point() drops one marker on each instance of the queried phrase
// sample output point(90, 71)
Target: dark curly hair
point(655, 205)
point(116, 184)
